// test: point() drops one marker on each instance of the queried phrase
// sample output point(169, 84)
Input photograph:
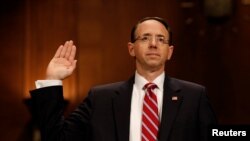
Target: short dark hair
point(161, 20)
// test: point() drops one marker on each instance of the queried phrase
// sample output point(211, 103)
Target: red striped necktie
point(150, 116)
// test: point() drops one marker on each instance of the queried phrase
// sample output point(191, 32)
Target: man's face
point(151, 49)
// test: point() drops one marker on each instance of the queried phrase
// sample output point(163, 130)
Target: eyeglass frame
point(160, 39)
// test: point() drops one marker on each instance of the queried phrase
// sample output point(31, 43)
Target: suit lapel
point(122, 105)
point(121, 108)
point(171, 103)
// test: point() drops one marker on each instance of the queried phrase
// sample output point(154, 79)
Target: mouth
point(152, 54)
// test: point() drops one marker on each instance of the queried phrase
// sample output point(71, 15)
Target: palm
point(62, 64)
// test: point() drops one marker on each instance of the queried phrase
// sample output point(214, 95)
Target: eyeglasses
point(148, 38)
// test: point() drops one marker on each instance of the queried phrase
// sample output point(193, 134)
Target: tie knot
point(150, 86)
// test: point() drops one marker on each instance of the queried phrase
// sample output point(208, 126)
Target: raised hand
point(63, 63)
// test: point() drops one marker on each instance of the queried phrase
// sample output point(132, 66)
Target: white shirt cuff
point(47, 83)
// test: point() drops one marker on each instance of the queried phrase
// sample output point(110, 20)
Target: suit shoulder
point(109, 86)
point(105, 91)
point(186, 84)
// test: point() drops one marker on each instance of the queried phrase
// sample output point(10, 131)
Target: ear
point(131, 49)
point(170, 51)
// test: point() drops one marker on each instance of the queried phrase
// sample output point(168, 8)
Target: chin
point(154, 65)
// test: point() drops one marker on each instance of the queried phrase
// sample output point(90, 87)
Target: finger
point(72, 53)
point(69, 48)
point(64, 49)
point(58, 51)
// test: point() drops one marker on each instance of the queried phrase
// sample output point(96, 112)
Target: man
point(149, 106)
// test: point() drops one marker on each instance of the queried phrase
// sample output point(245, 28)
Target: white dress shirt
point(48, 83)
point(137, 104)
point(136, 101)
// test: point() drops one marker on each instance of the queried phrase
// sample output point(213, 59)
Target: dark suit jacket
point(105, 114)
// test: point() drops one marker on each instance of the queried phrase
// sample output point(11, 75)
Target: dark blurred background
point(211, 38)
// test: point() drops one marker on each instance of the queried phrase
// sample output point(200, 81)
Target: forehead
point(151, 27)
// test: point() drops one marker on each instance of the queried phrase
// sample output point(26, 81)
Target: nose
point(153, 43)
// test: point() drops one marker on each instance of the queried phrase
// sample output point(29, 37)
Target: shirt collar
point(140, 81)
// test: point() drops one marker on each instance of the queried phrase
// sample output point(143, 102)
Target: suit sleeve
point(207, 116)
point(48, 106)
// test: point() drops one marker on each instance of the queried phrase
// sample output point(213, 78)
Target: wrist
point(48, 77)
